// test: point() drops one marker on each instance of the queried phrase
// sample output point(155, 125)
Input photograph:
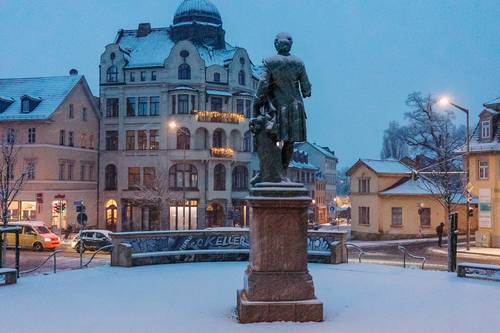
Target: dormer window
point(112, 74)
point(485, 129)
point(5, 103)
point(29, 103)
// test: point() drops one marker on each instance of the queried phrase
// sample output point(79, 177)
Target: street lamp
point(444, 102)
point(173, 125)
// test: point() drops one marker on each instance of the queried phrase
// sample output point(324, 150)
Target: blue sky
point(363, 57)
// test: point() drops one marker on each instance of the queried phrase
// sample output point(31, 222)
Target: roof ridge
point(40, 77)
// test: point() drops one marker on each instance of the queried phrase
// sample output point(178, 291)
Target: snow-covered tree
point(394, 145)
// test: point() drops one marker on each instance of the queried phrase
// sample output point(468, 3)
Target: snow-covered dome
point(202, 11)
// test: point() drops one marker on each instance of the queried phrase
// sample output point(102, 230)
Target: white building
point(163, 90)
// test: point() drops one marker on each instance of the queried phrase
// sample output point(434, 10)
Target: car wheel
point(38, 246)
point(77, 248)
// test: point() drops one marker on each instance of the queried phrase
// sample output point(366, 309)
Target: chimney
point(144, 29)
point(73, 72)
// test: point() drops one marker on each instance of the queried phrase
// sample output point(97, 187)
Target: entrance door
point(111, 216)
point(215, 215)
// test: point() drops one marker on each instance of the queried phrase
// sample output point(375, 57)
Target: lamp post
point(173, 125)
point(446, 101)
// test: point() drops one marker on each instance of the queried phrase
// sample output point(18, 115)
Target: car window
point(28, 230)
point(88, 234)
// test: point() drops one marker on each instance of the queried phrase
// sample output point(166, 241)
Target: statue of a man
point(280, 91)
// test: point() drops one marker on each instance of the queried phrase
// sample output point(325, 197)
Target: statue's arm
point(305, 85)
point(262, 93)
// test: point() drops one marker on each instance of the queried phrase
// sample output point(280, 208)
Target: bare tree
point(10, 183)
point(394, 145)
point(343, 182)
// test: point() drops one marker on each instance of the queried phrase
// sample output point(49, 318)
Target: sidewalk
point(391, 243)
point(480, 251)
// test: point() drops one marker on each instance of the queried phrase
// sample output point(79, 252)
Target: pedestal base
point(261, 311)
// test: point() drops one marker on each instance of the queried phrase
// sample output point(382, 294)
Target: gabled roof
point(408, 186)
point(325, 151)
point(50, 90)
point(382, 166)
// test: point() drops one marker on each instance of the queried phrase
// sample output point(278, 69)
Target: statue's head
point(283, 43)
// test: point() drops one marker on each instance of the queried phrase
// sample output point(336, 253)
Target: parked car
point(92, 239)
point(34, 235)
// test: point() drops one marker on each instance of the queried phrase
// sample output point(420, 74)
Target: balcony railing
point(224, 152)
point(218, 117)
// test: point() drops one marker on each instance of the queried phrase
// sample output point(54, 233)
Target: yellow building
point(388, 204)
point(484, 162)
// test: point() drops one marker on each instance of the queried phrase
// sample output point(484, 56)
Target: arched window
point(216, 77)
point(218, 139)
point(184, 72)
point(183, 138)
point(183, 176)
point(220, 178)
point(241, 78)
point(110, 177)
point(247, 142)
point(112, 74)
point(240, 178)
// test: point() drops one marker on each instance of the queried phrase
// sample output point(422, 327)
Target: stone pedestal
point(278, 286)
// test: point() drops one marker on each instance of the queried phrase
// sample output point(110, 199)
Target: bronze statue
point(278, 111)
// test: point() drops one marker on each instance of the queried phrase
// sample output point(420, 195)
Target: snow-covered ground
point(200, 297)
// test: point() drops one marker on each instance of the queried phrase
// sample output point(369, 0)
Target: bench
point(478, 270)
point(10, 275)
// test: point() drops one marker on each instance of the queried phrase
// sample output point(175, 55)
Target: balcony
point(218, 117)
point(222, 152)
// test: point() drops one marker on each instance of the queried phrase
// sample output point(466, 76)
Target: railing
point(53, 255)
point(405, 252)
point(361, 252)
point(225, 152)
point(96, 252)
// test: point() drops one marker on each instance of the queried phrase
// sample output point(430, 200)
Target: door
point(27, 237)
point(111, 217)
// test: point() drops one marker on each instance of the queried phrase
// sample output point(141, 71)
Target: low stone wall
point(223, 244)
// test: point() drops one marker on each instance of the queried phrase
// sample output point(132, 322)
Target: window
point(62, 169)
point(84, 114)
point(184, 72)
point(192, 103)
point(31, 135)
point(218, 138)
point(91, 172)
point(248, 108)
point(247, 142)
point(131, 101)
point(91, 142)
point(143, 76)
point(241, 78)
point(83, 140)
point(183, 104)
point(110, 181)
point(154, 139)
point(143, 106)
point(183, 174)
point(425, 217)
point(112, 74)
point(25, 105)
point(240, 106)
point(240, 178)
point(71, 139)
point(71, 114)
point(364, 185)
point(174, 98)
point(62, 137)
point(483, 170)
point(112, 107)
point(153, 76)
point(364, 215)
point(142, 140)
point(70, 170)
point(216, 103)
point(149, 177)
point(132, 76)
point(397, 216)
point(485, 129)
point(111, 140)
point(216, 77)
point(83, 168)
point(154, 105)
point(30, 169)
point(130, 140)
point(183, 138)
point(134, 178)
point(219, 178)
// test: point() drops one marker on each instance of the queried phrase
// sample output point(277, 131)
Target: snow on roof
point(51, 90)
point(302, 165)
point(410, 187)
point(219, 93)
point(386, 166)
point(153, 49)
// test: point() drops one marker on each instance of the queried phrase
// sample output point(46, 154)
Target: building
point(176, 151)
point(388, 204)
point(326, 161)
point(301, 171)
point(53, 123)
point(484, 162)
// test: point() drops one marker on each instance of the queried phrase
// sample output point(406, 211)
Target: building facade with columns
point(52, 123)
point(176, 152)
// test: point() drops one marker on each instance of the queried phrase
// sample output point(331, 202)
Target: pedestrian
point(440, 231)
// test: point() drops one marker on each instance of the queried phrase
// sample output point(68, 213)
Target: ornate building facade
point(176, 152)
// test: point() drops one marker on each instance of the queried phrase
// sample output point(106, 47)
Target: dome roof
point(197, 10)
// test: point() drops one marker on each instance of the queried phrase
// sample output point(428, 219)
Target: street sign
point(82, 219)
point(60, 196)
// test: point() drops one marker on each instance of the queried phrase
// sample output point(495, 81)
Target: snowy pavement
point(200, 297)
